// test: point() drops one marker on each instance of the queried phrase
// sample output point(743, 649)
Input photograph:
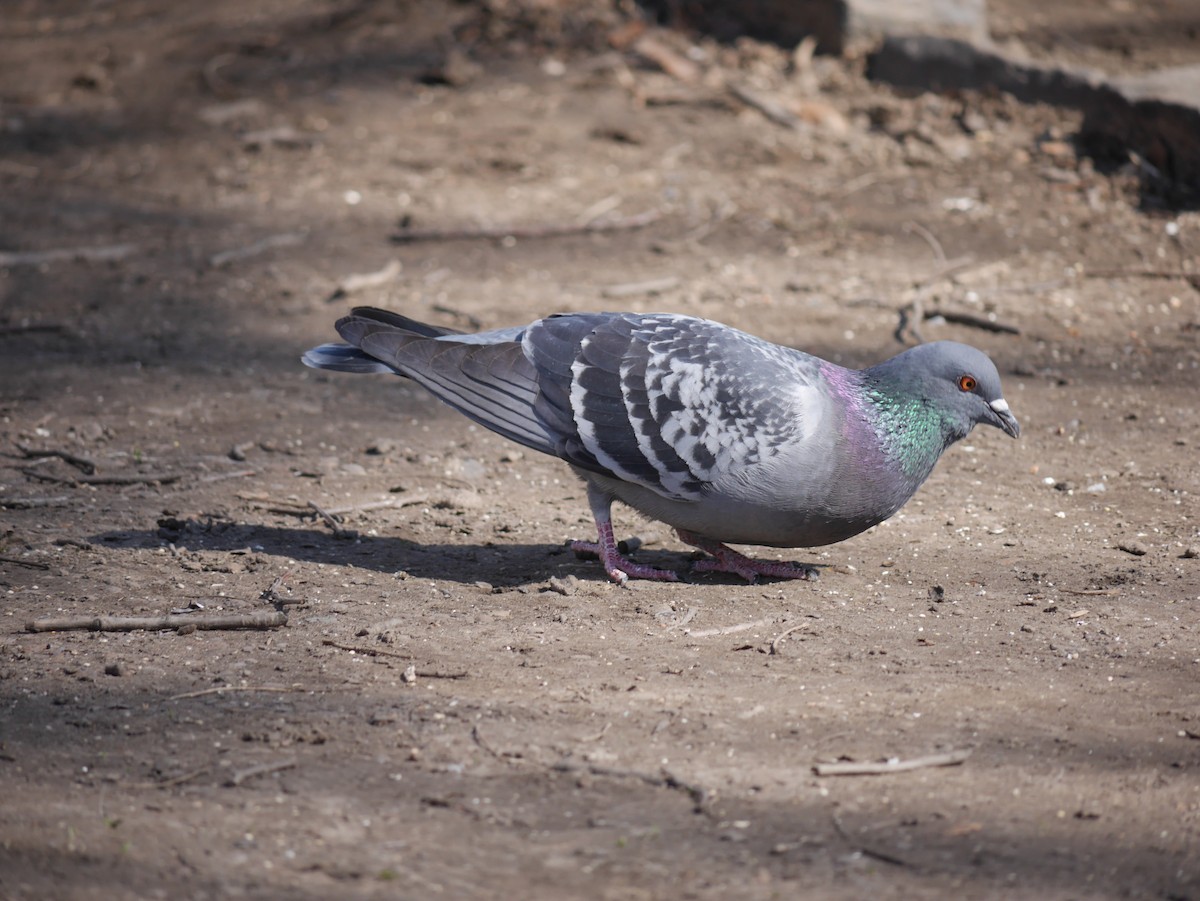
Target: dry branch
point(854, 768)
point(731, 630)
point(164, 479)
point(101, 254)
point(264, 620)
point(83, 464)
point(549, 230)
point(287, 239)
point(31, 564)
point(261, 769)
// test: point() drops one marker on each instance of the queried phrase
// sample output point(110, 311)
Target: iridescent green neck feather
point(912, 432)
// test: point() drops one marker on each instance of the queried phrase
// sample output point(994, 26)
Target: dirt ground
point(456, 706)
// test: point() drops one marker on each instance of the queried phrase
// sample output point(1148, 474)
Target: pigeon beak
point(1003, 418)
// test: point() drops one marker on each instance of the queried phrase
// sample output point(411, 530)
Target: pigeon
point(726, 437)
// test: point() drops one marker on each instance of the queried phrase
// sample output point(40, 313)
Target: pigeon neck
point(912, 432)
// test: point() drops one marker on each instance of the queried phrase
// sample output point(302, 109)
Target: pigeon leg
point(619, 569)
point(727, 560)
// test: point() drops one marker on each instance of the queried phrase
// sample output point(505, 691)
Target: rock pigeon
point(726, 437)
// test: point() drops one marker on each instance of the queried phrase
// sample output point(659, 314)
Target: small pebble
point(1133, 547)
point(566, 587)
point(1190, 553)
point(113, 669)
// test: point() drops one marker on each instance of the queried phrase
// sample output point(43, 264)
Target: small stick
point(352, 284)
point(698, 794)
point(1107, 592)
point(1191, 277)
point(222, 476)
point(551, 230)
point(974, 321)
point(379, 652)
point(31, 564)
point(370, 652)
point(881, 856)
point(81, 463)
point(32, 328)
point(730, 630)
point(854, 768)
point(775, 642)
point(178, 780)
point(30, 503)
point(287, 239)
point(687, 618)
point(107, 253)
point(769, 108)
point(165, 479)
point(221, 689)
point(930, 238)
point(263, 620)
point(477, 737)
point(261, 769)
point(332, 521)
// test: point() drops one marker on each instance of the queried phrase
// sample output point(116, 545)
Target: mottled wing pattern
point(668, 402)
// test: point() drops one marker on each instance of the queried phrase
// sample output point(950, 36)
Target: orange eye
point(966, 383)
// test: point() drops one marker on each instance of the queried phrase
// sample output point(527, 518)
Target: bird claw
point(725, 559)
point(620, 569)
point(750, 569)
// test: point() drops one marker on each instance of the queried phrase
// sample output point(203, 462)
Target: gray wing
point(485, 376)
point(669, 402)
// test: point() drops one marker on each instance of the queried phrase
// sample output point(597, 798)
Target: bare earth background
point(228, 165)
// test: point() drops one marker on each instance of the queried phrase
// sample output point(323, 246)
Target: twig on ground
point(550, 230)
point(854, 768)
point(370, 652)
point(83, 464)
point(379, 652)
point(32, 503)
point(939, 253)
point(599, 735)
point(164, 479)
point(778, 639)
point(339, 531)
point(32, 328)
point(881, 856)
point(262, 769)
point(102, 254)
point(222, 476)
point(31, 564)
point(222, 689)
point(352, 284)
point(264, 620)
point(1192, 278)
point(1109, 592)
point(699, 795)
point(731, 630)
point(685, 619)
point(477, 737)
point(765, 105)
point(970, 319)
point(177, 780)
point(287, 239)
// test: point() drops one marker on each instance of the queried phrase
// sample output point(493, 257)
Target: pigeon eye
point(966, 383)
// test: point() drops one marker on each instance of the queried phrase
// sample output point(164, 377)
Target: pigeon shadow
point(502, 565)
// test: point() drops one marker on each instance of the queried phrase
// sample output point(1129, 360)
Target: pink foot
point(727, 560)
point(620, 569)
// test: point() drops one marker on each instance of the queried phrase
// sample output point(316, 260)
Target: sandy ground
point(457, 707)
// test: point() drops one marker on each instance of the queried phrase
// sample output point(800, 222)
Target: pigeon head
point(954, 382)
